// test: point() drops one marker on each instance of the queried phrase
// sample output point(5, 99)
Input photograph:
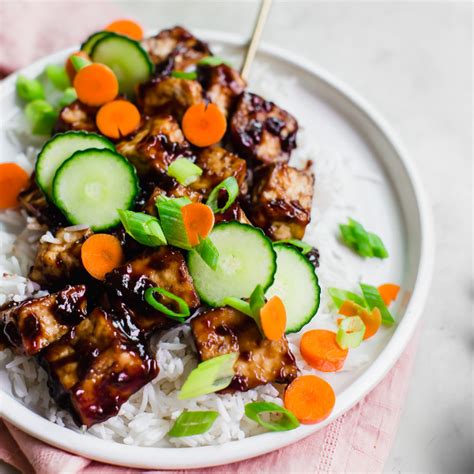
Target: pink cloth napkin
point(358, 441)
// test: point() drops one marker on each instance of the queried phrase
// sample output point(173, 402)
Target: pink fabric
point(358, 441)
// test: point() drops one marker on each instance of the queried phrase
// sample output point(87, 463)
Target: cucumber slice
point(126, 58)
point(58, 149)
point(91, 185)
point(90, 42)
point(296, 283)
point(246, 259)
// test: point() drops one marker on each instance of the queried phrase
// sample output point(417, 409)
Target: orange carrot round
point(96, 84)
point(13, 179)
point(310, 398)
point(100, 254)
point(349, 308)
point(118, 118)
point(204, 125)
point(321, 351)
point(388, 292)
point(128, 28)
point(372, 320)
point(70, 70)
point(273, 318)
point(198, 221)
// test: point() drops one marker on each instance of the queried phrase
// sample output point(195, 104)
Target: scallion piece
point(208, 252)
point(212, 61)
point(257, 301)
point(180, 316)
point(286, 421)
point(29, 89)
point(41, 116)
point(172, 220)
point(58, 76)
point(209, 376)
point(366, 244)
point(339, 296)
point(374, 300)
point(378, 248)
point(192, 423)
point(144, 228)
point(190, 76)
point(79, 62)
point(361, 237)
point(184, 171)
point(299, 244)
point(68, 97)
point(231, 187)
point(238, 304)
point(350, 332)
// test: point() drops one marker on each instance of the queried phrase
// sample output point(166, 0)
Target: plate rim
point(98, 449)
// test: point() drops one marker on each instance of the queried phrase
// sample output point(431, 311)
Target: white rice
point(148, 415)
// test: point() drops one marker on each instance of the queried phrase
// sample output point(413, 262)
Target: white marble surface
point(412, 60)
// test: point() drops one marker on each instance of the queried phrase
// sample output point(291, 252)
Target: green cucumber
point(61, 147)
point(126, 58)
point(90, 186)
point(296, 283)
point(90, 42)
point(246, 259)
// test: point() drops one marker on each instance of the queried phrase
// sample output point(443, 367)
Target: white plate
point(344, 122)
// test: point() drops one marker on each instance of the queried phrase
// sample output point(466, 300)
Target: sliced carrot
point(100, 254)
point(96, 84)
point(321, 351)
point(310, 398)
point(349, 308)
point(128, 28)
point(371, 319)
point(13, 179)
point(118, 118)
point(273, 318)
point(388, 292)
point(71, 71)
point(198, 221)
point(204, 125)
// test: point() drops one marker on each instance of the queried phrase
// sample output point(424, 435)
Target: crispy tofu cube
point(233, 213)
point(262, 131)
point(34, 324)
point(95, 368)
point(281, 201)
point(225, 330)
point(218, 164)
point(77, 116)
point(155, 145)
point(56, 263)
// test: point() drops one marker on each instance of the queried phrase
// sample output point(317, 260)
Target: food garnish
point(321, 351)
point(366, 244)
point(190, 76)
point(198, 220)
point(212, 61)
point(58, 76)
point(71, 67)
point(29, 89)
point(96, 84)
point(125, 27)
point(350, 332)
point(144, 228)
point(204, 125)
point(41, 116)
point(273, 318)
point(100, 254)
point(374, 300)
point(118, 118)
point(184, 171)
point(191, 423)
point(183, 309)
point(388, 292)
point(285, 422)
point(231, 189)
point(13, 179)
point(299, 244)
point(371, 319)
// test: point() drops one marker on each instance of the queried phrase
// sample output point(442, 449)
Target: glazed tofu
point(36, 323)
point(155, 145)
point(223, 85)
point(262, 131)
point(233, 213)
point(56, 263)
point(168, 95)
point(95, 368)
point(225, 330)
point(164, 267)
point(178, 46)
point(281, 201)
point(77, 116)
point(218, 164)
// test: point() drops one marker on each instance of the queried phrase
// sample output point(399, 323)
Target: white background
point(413, 61)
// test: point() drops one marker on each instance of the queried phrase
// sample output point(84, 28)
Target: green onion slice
point(378, 248)
point(171, 220)
point(212, 61)
point(180, 316)
point(79, 62)
point(208, 252)
point(238, 304)
point(366, 244)
point(184, 171)
point(191, 76)
point(339, 296)
point(68, 97)
point(299, 244)
point(29, 89)
point(41, 116)
point(144, 228)
point(192, 423)
point(374, 300)
point(57, 75)
point(231, 187)
point(350, 332)
point(257, 301)
point(209, 376)
point(286, 421)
